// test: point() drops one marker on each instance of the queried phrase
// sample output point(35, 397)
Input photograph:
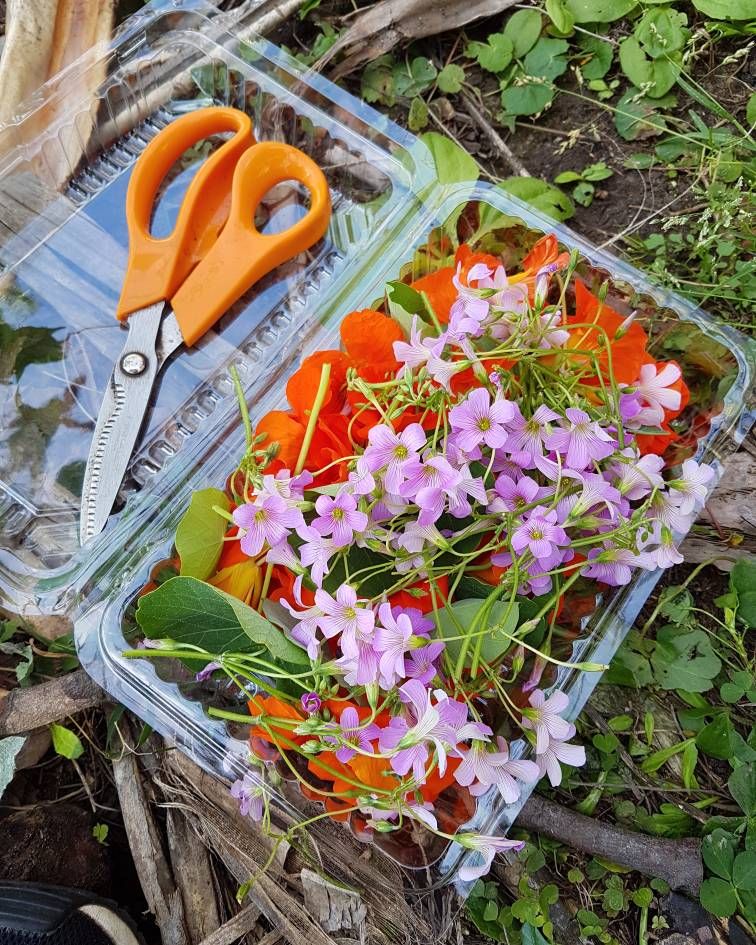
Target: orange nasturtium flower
point(303, 384)
point(368, 338)
point(242, 580)
point(627, 352)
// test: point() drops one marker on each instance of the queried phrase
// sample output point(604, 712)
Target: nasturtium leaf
point(190, 611)
point(199, 536)
point(523, 28)
point(451, 78)
point(549, 200)
point(726, 9)
point(597, 172)
point(684, 659)
point(742, 786)
point(9, 748)
point(453, 164)
point(493, 55)
point(530, 98)
point(601, 53)
point(547, 59)
point(65, 742)
point(718, 897)
point(560, 15)
point(655, 76)
point(744, 870)
point(661, 30)
point(599, 11)
point(499, 625)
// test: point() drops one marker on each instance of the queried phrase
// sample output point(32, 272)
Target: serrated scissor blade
point(120, 419)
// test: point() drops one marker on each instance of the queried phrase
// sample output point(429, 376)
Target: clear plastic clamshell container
point(62, 256)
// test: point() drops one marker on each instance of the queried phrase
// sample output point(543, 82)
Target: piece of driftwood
point(378, 29)
point(236, 927)
point(22, 710)
point(193, 874)
point(42, 39)
point(678, 862)
point(153, 869)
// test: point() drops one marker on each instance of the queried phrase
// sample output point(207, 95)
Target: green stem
point(317, 406)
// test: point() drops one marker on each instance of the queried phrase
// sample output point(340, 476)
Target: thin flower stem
point(317, 406)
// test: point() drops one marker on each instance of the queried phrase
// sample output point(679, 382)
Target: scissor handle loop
point(242, 255)
point(158, 266)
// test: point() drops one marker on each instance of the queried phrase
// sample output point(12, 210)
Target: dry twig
point(502, 148)
point(23, 710)
point(678, 862)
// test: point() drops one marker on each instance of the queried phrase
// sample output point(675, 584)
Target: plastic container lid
point(63, 254)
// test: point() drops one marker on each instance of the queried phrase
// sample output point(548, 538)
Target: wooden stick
point(193, 874)
point(231, 931)
point(494, 137)
point(678, 862)
point(153, 869)
point(37, 706)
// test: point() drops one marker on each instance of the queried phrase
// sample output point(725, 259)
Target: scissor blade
point(120, 419)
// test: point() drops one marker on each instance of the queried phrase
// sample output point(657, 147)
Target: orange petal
point(284, 429)
point(303, 384)
point(627, 353)
point(468, 259)
point(440, 290)
point(368, 338)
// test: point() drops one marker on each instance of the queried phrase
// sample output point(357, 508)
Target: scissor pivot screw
point(133, 364)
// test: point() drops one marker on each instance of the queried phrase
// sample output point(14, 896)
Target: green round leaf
point(453, 164)
point(655, 76)
point(523, 28)
point(684, 660)
point(560, 15)
point(725, 9)
point(451, 78)
point(744, 870)
point(599, 11)
point(528, 99)
point(661, 31)
point(500, 623)
point(547, 58)
point(601, 54)
point(495, 55)
point(549, 200)
point(718, 851)
point(718, 897)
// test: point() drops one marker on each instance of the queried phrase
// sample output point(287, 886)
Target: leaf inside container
point(199, 537)
point(189, 611)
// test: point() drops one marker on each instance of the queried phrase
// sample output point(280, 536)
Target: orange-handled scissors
point(176, 287)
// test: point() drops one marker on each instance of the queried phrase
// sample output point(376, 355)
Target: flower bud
point(311, 747)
